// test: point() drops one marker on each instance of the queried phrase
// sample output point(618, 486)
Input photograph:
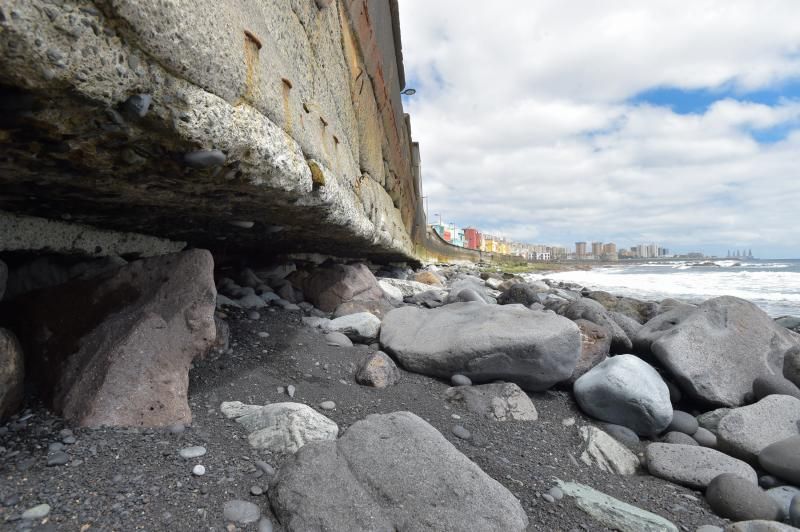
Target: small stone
point(556, 493)
point(683, 422)
point(327, 405)
point(263, 334)
point(55, 446)
point(69, 440)
point(768, 482)
point(63, 433)
point(548, 497)
point(176, 428)
point(705, 437)
point(460, 432)
point(204, 158)
point(199, 470)
point(338, 339)
point(460, 380)
point(265, 467)
point(243, 224)
point(253, 315)
point(241, 511)
point(290, 390)
point(195, 451)
point(138, 104)
point(37, 512)
point(568, 422)
point(265, 525)
point(738, 499)
point(256, 490)
point(57, 458)
point(678, 438)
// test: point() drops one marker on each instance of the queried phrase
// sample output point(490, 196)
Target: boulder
point(498, 402)
point(377, 370)
point(783, 495)
point(12, 374)
point(710, 420)
point(671, 304)
point(606, 453)
point(791, 365)
point(591, 310)
point(746, 430)
point(595, 344)
point(534, 349)
point(362, 327)
point(116, 350)
point(429, 278)
point(392, 293)
point(406, 288)
point(521, 293)
point(330, 285)
point(626, 323)
point(693, 466)
point(281, 428)
point(719, 349)
point(466, 295)
point(774, 385)
point(624, 435)
point(627, 391)
point(429, 298)
point(639, 311)
point(657, 327)
point(468, 282)
point(739, 499)
point(377, 307)
point(390, 472)
point(782, 459)
point(790, 322)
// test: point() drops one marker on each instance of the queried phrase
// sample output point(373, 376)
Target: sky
point(631, 122)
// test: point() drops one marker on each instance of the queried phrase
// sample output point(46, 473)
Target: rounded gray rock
point(744, 432)
point(195, 451)
point(460, 380)
point(624, 435)
point(627, 391)
point(678, 438)
point(774, 385)
point(735, 498)
point(241, 511)
point(683, 422)
point(705, 437)
point(204, 158)
point(782, 459)
point(694, 466)
point(338, 339)
point(784, 495)
point(794, 511)
point(460, 432)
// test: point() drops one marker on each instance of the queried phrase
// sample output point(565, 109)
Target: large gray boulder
point(718, 350)
point(12, 373)
point(534, 349)
point(693, 466)
point(745, 431)
point(658, 326)
point(390, 472)
point(782, 459)
point(330, 285)
point(627, 391)
point(469, 282)
point(521, 293)
point(591, 310)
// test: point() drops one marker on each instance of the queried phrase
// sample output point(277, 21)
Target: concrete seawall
point(238, 125)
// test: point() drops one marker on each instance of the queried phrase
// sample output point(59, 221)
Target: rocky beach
point(349, 396)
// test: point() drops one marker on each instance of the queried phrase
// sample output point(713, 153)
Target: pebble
point(768, 482)
point(195, 451)
point(138, 104)
point(241, 511)
point(244, 224)
point(290, 390)
point(57, 458)
point(460, 380)
point(683, 422)
point(263, 334)
point(460, 432)
point(256, 490)
point(568, 422)
point(548, 497)
point(265, 525)
point(253, 315)
point(738, 499)
point(327, 405)
point(64, 433)
point(199, 470)
point(176, 428)
point(705, 437)
point(204, 158)
point(37, 512)
point(709, 528)
point(55, 446)
point(265, 467)
point(556, 493)
point(69, 440)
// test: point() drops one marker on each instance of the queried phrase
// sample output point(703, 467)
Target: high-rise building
point(580, 250)
point(610, 249)
point(597, 249)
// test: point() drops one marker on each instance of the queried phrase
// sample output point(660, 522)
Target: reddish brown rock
point(331, 285)
point(595, 344)
point(427, 277)
point(12, 373)
point(116, 350)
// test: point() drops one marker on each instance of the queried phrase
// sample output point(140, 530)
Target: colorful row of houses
point(469, 237)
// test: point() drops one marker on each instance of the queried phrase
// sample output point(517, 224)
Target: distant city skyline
point(613, 121)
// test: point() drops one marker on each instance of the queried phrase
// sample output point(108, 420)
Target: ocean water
point(773, 285)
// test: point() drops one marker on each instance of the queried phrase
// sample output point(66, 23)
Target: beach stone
point(195, 451)
point(265, 525)
point(534, 349)
point(429, 278)
point(606, 453)
point(338, 339)
point(720, 348)
point(783, 495)
point(747, 430)
point(116, 350)
point(624, 435)
point(774, 385)
point(782, 459)
point(429, 298)
point(595, 345)
point(379, 308)
point(498, 402)
point(363, 327)
point(199, 470)
point(392, 293)
point(390, 472)
point(330, 285)
point(377, 370)
point(705, 437)
point(613, 513)
point(658, 326)
point(204, 158)
point(251, 301)
point(240, 511)
point(710, 420)
point(683, 422)
point(467, 295)
point(460, 432)
point(791, 365)
point(460, 380)
point(626, 323)
point(57, 458)
point(280, 427)
point(468, 282)
point(769, 481)
point(626, 391)
point(406, 288)
point(591, 310)
point(521, 293)
point(794, 511)
point(740, 499)
point(709, 528)
point(678, 438)
point(327, 405)
point(759, 525)
point(39, 511)
point(694, 466)
point(12, 373)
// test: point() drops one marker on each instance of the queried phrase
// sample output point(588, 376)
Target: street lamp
point(409, 92)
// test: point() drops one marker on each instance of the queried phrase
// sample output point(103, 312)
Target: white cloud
point(526, 125)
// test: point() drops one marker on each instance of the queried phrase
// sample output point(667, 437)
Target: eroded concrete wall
point(103, 100)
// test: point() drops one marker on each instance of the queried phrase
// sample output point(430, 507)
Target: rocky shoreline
point(336, 396)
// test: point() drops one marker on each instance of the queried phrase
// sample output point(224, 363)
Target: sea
point(773, 285)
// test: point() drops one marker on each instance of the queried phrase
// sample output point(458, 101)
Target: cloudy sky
point(661, 121)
